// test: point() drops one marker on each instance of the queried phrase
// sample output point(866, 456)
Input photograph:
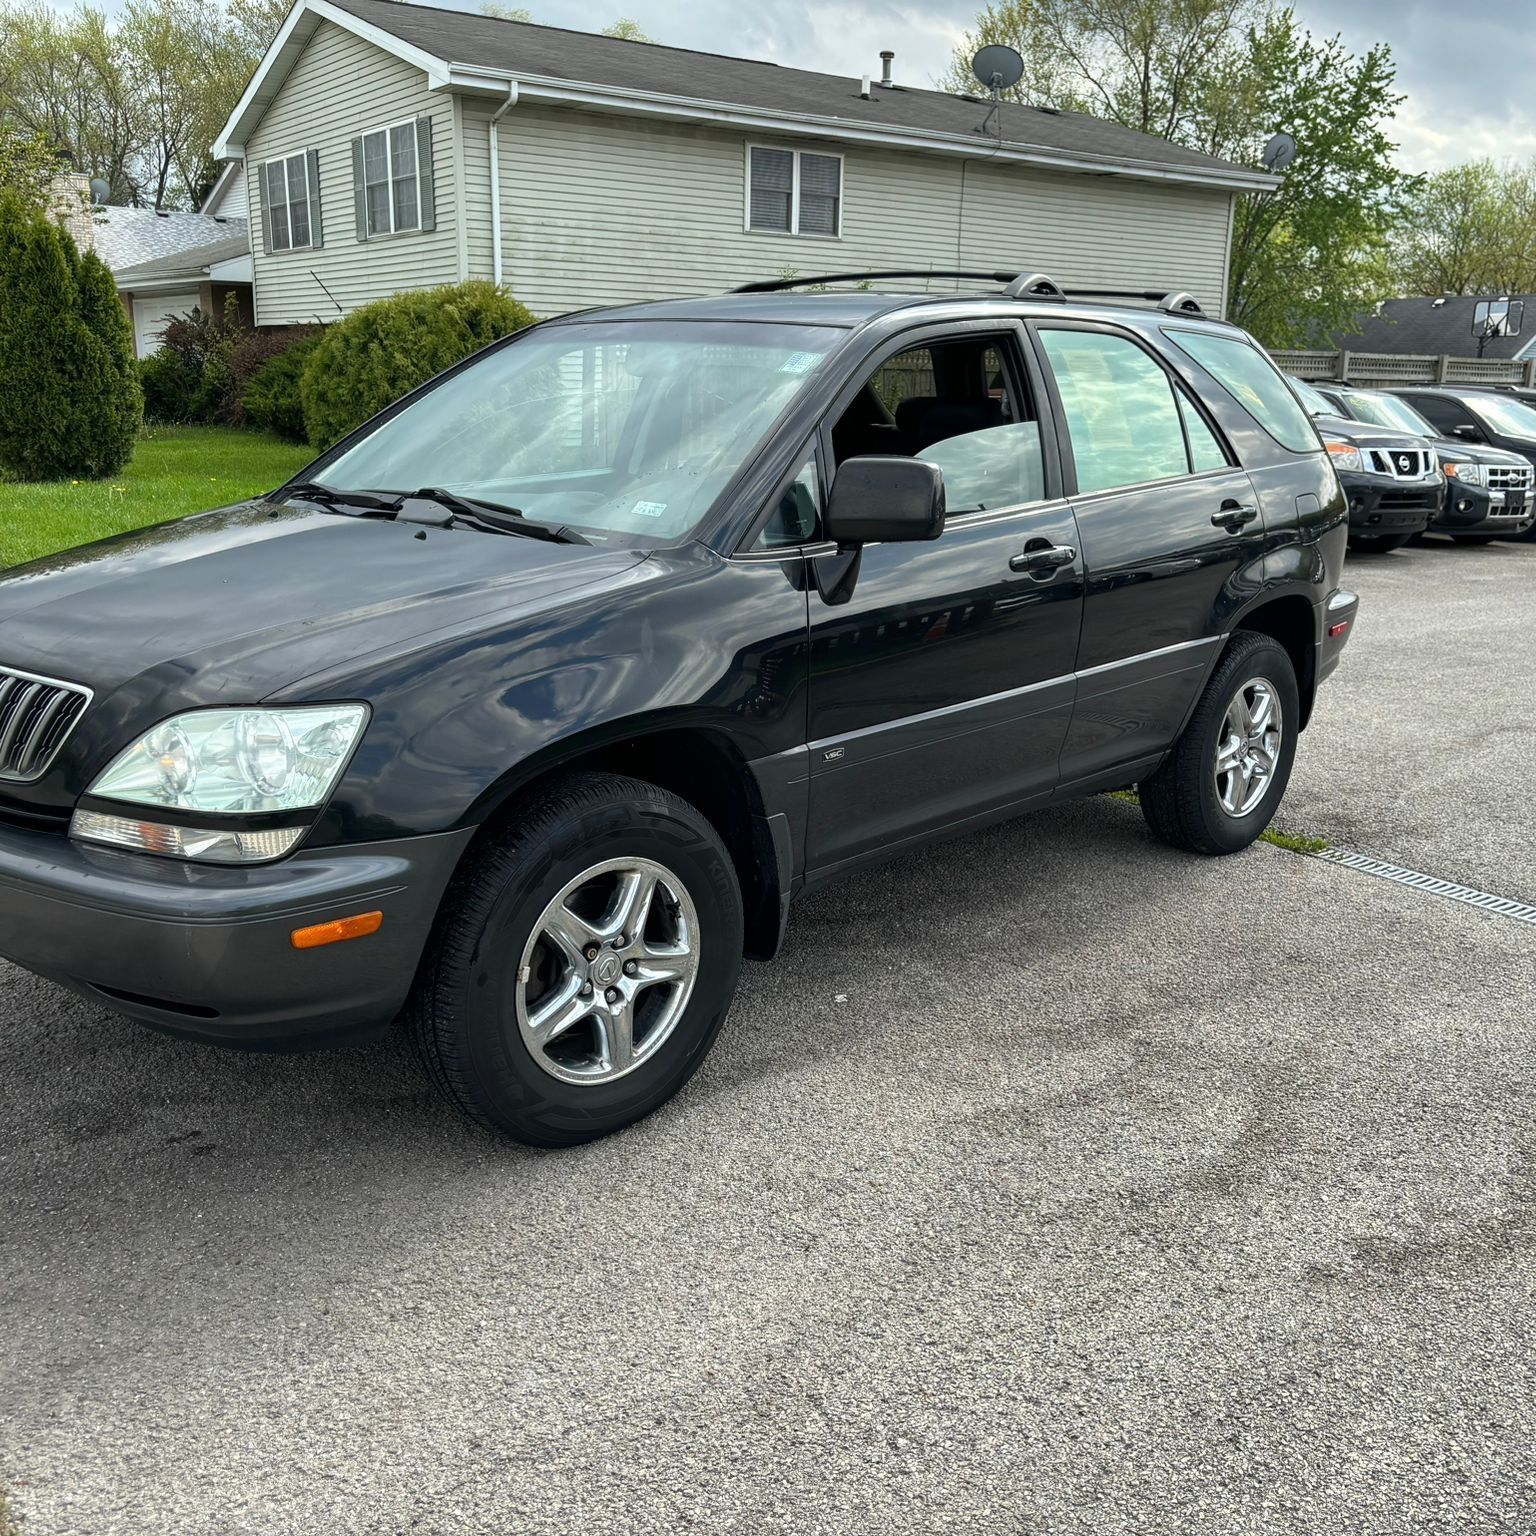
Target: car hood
point(1365, 434)
point(234, 605)
point(1476, 453)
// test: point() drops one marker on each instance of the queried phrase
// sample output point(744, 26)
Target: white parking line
point(1431, 885)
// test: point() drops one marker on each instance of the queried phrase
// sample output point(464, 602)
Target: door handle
point(1043, 558)
point(1234, 515)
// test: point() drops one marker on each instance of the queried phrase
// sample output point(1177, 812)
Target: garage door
point(150, 315)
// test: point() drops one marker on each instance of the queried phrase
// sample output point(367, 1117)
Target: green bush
point(271, 399)
point(252, 351)
point(69, 392)
point(169, 387)
point(380, 351)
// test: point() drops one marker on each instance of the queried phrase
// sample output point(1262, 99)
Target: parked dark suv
point(1479, 416)
point(533, 704)
point(1391, 478)
point(1487, 491)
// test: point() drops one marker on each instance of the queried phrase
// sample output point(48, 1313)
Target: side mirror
point(879, 500)
point(1469, 432)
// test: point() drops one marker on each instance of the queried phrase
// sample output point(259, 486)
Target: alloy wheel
point(1248, 747)
point(608, 970)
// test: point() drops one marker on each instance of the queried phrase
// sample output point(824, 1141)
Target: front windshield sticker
point(648, 508)
point(801, 362)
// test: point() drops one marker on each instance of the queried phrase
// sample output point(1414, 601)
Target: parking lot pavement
point(1052, 1182)
point(1423, 750)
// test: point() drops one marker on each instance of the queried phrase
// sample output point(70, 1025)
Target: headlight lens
point(240, 761)
point(1466, 474)
point(1345, 456)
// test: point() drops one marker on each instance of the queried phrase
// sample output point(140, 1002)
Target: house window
point(794, 192)
point(392, 179)
point(288, 193)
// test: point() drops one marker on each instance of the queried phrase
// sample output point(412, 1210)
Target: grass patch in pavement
point(10, 1521)
point(1292, 842)
point(175, 470)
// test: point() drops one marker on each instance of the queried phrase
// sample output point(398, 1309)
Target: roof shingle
point(590, 58)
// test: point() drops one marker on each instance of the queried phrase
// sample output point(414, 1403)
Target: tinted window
point(1205, 452)
point(1120, 408)
point(1253, 381)
point(1511, 417)
point(953, 403)
point(1444, 413)
point(797, 511)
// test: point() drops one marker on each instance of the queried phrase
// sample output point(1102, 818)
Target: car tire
point(1188, 802)
point(516, 951)
point(1378, 543)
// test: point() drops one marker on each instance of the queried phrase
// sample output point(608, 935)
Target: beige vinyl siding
point(231, 203)
point(341, 87)
point(605, 209)
point(477, 182)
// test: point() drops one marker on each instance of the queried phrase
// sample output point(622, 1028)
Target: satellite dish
point(998, 67)
point(100, 191)
point(1279, 152)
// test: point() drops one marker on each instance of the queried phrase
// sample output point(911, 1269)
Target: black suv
point(533, 704)
point(1392, 478)
point(1487, 491)
point(1474, 415)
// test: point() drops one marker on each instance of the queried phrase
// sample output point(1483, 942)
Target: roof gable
point(458, 50)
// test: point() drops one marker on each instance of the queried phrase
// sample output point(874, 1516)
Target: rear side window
point(1254, 382)
point(1121, 412)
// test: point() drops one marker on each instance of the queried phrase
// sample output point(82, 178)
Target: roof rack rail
point(1024, 285)
point(779, 285)
point(1035, 285)
point(1173, 303)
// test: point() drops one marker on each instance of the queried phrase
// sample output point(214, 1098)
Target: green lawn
point(175, 470)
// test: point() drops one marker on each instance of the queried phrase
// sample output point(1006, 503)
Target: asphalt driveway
point(1052, 1182)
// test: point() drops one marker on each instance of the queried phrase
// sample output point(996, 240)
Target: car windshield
point(1388, 411)
point(1509, 417)
point(625, 429)
point(1316, 405)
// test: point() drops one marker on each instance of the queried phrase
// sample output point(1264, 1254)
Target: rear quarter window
point(1254, 382)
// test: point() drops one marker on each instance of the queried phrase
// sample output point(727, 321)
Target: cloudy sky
point(1467, 66)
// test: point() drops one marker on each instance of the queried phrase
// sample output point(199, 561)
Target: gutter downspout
point(496, 117)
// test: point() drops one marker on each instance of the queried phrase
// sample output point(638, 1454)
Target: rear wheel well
point(1290, 620)
point(703, 769)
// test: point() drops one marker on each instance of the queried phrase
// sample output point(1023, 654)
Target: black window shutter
point(359, 191)
point(425, 190)
point(312, 180)
point(263, 212)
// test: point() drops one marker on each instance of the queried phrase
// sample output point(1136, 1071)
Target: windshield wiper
point(489, 514)
point(329, 496)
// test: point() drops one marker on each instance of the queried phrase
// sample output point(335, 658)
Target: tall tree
point(1222, 76)
point(1142, 63)
point(1310, 256)
point(1471, 229)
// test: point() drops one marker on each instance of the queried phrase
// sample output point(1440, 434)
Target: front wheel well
point(1291, 621)
point(702, 768)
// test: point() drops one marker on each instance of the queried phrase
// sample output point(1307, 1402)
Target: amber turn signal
point(358, 927)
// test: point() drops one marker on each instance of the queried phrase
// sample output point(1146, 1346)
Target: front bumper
point(205, 951)
point(1474, 509)
point(1378, 505)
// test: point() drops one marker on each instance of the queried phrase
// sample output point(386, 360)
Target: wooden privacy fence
point(1385, 369)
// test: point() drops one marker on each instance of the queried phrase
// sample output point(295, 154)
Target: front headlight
point(1466, 474)
point(1345, 456)
point(240, 762)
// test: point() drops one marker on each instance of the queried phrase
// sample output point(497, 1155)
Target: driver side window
point(955, 403)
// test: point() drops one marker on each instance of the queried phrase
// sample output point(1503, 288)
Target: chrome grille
point(1506, 477)
point(36, 714)
point(1401, 463)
